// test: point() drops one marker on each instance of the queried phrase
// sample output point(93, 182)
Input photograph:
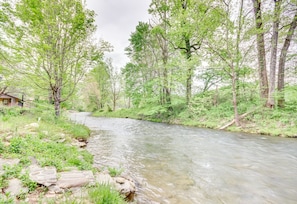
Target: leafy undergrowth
point(37, 135)
point(203, 112)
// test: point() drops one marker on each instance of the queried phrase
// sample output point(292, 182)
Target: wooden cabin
point(9, 100)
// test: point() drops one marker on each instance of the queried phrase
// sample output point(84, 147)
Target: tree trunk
point(188, 57)
point(274, 42)
point(57, 101)
point(261, 50)
point(189, 70)
point(166, 89)
point(282, 62)
point(234, 95)
point(165, 57)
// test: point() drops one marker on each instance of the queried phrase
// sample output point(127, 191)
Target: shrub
point(104, 194)
point(114, 172)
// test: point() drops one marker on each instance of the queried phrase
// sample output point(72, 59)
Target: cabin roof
point(8, 96)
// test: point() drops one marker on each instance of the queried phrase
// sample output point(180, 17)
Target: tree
point(264, 88)
point(273, 56)
point(52, 44)
point(114, 81)
point(191, 23)
point(160, 10)
point(140, 75)
point(96, 89)
point(230, 49)
point(282, 60)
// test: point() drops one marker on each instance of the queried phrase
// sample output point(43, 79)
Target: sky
point(116, 20)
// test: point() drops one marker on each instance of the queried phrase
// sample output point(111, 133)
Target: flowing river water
point(185, 165)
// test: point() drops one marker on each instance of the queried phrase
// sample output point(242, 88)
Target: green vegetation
point(211, 110)
point(105, 195)
point(36, 134)
point(114, 171)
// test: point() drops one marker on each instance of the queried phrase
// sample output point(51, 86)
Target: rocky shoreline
point(52, 184)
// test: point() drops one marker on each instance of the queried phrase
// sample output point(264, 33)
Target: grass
point(37, 133)
point(104, 194)
point(204, 111)
point(114, 171)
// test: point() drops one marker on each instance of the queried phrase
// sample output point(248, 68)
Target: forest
point(225, 64)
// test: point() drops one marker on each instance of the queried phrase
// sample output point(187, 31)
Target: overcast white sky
point(116, 20)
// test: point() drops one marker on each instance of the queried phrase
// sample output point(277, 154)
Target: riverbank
point(43, 160)
point(265, 121)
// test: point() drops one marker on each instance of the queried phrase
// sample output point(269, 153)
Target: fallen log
point(240, 117)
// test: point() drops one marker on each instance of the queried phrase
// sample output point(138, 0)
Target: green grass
point(48, 143)
point(114, 171)
point(104, 194)
point(205, 111)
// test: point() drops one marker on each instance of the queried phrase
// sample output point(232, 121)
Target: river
point(185, 165)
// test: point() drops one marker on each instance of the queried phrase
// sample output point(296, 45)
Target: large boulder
point(75, 178)
point(46, 176)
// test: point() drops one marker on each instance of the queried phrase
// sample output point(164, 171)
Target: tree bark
point(282, 62)
point(273, 57)
point(264, 89)
point(189, 70)
point(234, 95)
point(57, 101)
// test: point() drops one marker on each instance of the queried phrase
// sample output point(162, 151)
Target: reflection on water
point(176, 164)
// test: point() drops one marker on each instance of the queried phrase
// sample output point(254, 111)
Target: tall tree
point(230, 49)
point(53, 44)
point(282, 61)
point(96, 90)
point(160, 10)
point(191, 23)
point(141, 74)
point(264, 88)
point(273, 57)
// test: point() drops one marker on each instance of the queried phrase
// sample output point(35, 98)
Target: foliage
point(213, 109)
point(104, 194)
point(51, 43)
point(114, 172)
point(7, 199)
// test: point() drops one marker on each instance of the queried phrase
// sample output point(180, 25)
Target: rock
point(79, 192)
point(120, 180)
point(75, 179)
point(8, 138)
point(9, 162)
point(125, 187)
point(104, 179)
point(32, 125)
point(55, 189)
point(79, 144)
point(15, 187)
point(46, 176)
point(61, 140)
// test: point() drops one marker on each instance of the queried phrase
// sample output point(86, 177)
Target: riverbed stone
point(125, 187)
point(46, 176)
point(104, 179)
point(80, 144)
point(15, 187)
point(75, 178)
point(9, 162)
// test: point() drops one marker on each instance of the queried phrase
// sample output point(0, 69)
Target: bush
point(114, 172)
point(104, 194)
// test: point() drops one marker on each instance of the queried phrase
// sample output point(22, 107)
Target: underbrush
point(214, 109)
point(36, 135)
